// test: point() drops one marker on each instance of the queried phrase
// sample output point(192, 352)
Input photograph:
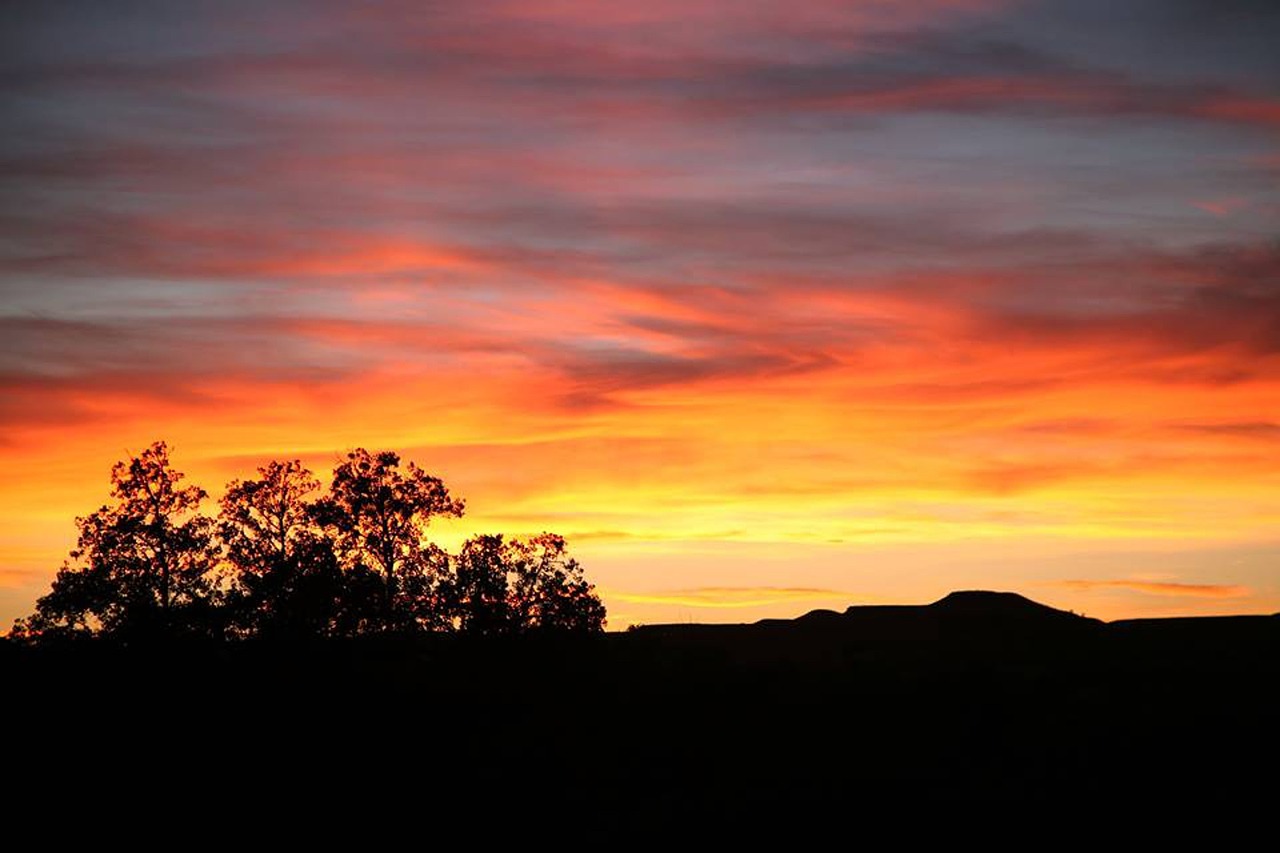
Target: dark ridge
point(985, 602)
point(964, 616)
point(1194, 622)
point(1004, 606)
point(997, 627)
point(1221, 639)
point(822, 615)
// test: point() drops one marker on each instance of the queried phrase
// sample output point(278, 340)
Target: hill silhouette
point(997, 605)
point(972, 622)
point(984, 699)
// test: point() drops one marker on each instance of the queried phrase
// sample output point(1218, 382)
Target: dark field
point(983, 700)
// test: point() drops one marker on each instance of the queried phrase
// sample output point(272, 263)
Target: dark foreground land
point(981, 699)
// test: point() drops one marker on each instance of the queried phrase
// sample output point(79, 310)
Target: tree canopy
point(509, 586)
point(142, 565)
point(283, 576)
point(377, 516)
point(286, 558)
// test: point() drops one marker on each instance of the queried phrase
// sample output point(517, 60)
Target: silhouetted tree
point(512, 586)
point(378, 516)
point(143, 565)
point(285, 578)
point(358, 605)
point(351, 562)
point(551, 592)
point(479, 589)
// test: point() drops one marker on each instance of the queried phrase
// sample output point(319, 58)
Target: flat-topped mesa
point(970, 611)
point(978, 602)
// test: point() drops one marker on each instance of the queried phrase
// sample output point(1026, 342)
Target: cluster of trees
point(281, 559)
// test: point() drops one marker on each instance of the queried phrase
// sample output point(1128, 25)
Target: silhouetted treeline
point(282, 560)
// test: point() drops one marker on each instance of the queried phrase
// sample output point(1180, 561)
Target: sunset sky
point(765, 306)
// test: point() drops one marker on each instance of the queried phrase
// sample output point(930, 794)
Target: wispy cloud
point(732, 596)
point(1258, 430)
point(1165, 588)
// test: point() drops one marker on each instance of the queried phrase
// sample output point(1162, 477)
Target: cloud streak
point(732, 597)
point(1162, 588)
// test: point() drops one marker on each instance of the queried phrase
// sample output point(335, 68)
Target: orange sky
point(764, 312)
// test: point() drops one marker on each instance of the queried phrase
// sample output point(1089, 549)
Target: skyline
point(764, 308)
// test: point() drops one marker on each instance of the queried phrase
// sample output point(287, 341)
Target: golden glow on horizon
point(892, 448)
point(823, 298)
